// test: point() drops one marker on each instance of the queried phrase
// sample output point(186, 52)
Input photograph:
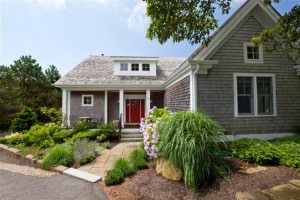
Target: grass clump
point(114, 176)
point(59, 155)
point(81, 125)
point(124, 167)
point(192, 142)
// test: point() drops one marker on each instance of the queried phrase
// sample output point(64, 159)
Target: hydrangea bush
point(149, 129)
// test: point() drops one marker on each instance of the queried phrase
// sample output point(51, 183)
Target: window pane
point(245, 95)
point(146, 67)
point(124, 67)
point(87, 100)
point(253, 52)
point(134, 67)
point(264, 95)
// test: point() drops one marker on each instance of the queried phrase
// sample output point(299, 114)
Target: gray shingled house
point(248, 91)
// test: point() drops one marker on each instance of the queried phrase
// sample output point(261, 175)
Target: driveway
point(59, 187)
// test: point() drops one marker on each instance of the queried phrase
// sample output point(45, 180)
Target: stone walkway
point(104, 162)
point(289, 191)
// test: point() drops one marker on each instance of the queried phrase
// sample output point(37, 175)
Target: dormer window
point(134, 67)
point(124, 67)
point(146, 67)
point(253, 53)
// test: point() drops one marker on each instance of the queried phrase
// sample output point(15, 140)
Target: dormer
point(135, 66)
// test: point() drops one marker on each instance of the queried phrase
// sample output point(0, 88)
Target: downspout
point(194, 71)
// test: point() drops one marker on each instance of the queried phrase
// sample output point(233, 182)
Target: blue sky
point(64, 32)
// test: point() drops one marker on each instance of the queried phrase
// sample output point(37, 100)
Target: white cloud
point(56, 4)
point(137, 19)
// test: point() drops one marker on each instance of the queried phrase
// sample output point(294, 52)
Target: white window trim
point(260, 60)
point(254, 75)
point(87, 95)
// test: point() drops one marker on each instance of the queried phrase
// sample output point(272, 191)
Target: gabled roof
point(99, 71)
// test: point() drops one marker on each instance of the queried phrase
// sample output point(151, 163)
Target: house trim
point(254, 75)
point(105, 107)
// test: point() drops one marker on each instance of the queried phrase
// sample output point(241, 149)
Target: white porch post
point(66, 95)
point(64, 107)
point(121, 105)
point(105, 107)
point(148, 99)
point(69, 107)
point(193, 91)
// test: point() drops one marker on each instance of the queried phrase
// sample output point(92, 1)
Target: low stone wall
point(10, 155)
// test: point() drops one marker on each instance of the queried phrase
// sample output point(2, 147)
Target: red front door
point(135, 110)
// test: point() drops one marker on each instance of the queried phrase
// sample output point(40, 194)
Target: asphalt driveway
point(60, 187)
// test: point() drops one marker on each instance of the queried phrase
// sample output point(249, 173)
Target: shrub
point(85, 134)
point(62, 135)
point(138, 158)
point(81, 125)
point(125, 166)
point(107, 129)
point(3, 140)
point(295, 139)
point(14, 139)
point(52, 115)
point(114, 176)
point(38, 136)
point(148, 128)
point(84, 151)
point(52, 128)
point(59, 155)
point(101, 138)
point(289, 154)
point(23, 120)
point(191, 141)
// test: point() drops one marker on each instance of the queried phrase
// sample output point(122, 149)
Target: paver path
point(104, 162)
point(58, 187)
point(289, 191)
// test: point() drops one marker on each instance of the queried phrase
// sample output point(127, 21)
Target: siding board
point(215, 90)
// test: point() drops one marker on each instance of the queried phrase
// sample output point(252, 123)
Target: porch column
point(66, 96)
point(105, 107)
point(193, 91)
point(69, 108)
point(148, 99)
point(121, 105)
point(64, 107)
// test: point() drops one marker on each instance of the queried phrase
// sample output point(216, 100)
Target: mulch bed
point(148, 185)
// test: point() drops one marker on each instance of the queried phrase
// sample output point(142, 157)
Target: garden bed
point(146, 184)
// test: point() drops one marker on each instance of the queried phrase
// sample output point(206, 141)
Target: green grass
point(59, 155)
point(192, 142)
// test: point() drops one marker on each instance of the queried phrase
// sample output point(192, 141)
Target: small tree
point(24, 120)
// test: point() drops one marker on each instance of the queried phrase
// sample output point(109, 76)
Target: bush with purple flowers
point(149, 129)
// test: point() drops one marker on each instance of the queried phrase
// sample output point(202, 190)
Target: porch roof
point(99, 71)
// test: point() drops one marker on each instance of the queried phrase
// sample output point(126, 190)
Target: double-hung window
point(87, 100)
point(254, 95)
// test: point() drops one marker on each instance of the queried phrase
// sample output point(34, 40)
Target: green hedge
point(284, 151)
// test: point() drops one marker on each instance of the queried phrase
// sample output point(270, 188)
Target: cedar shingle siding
point(216, 95)
point(177, 96)
point(96, 112)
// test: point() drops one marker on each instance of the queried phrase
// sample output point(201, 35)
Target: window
point(254, 94)
point(87, 100)
point(146, 67)
point(134, 67)
point(252, 53)
point(124, 67)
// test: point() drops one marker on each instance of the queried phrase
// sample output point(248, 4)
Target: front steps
point(131, 135)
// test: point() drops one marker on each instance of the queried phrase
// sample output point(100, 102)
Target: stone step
point(131, 139)
point(132, 135)
point(82, 175)
point(130, 130)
